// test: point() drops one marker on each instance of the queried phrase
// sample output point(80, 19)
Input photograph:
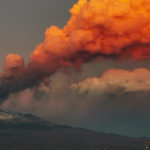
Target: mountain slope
point(18, 120)
point(25, 131)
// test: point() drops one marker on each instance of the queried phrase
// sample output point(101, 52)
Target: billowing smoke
point(106, 28)
point(16, 76)
point(116, 81)
point(99, 27)
point(13, 62)
point(116, 101)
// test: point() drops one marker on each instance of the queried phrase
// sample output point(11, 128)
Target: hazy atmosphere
point(81, 63)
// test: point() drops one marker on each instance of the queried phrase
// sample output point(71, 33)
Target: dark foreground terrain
point(65, 139)
point(26, 132)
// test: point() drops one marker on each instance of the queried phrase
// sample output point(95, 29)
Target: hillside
point(27, 132)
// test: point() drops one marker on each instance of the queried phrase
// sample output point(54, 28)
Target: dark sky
point(23, 23)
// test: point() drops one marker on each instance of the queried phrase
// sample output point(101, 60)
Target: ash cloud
point(98, 31)
point(114, 81)
point(112, 104)
point(115, 29)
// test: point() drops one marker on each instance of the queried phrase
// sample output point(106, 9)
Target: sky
point(23, 23)
point(87, 63)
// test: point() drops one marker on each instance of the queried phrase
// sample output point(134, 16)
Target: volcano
point(26, 131)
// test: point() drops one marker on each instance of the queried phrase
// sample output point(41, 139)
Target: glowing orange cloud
point(108, 27)
point(13, 61)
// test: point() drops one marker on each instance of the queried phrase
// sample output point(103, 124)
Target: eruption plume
point(102, 27)
point(107, 28)
point(114, 99)
point(117, 81)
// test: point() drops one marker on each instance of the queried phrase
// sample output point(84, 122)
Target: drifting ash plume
point(16, 76)
point(107, 28)
point(115, 81)
point(116, 101)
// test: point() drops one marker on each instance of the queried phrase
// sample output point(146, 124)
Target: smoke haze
point(94, 72)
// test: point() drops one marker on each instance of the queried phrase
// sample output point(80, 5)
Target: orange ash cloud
point(107, 27)
point(12, 62)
